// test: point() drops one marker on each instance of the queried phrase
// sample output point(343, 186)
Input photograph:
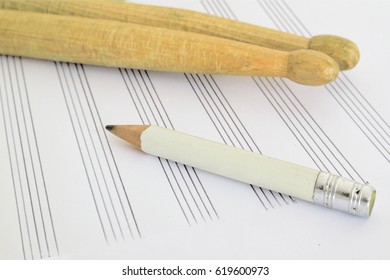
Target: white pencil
point(304, 183)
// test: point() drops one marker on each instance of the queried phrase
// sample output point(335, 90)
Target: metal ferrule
point(339, 193)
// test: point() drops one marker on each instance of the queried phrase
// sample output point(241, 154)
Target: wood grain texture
point(344, 51)
point(118, 44)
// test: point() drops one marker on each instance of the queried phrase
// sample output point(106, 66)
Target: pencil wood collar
point(305, 183)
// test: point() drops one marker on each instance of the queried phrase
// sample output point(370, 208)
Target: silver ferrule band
point(339, 193)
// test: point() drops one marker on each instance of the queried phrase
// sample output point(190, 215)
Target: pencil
point(342, 50)
point(117, 44)
point(301, 182)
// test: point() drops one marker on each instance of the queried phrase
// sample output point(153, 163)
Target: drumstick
point(344, 51)
point(118, 44)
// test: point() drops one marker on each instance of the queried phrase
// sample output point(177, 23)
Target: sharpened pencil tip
point(129, 133)
point(110, 127)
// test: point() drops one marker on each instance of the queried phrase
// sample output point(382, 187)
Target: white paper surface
point(71, 190)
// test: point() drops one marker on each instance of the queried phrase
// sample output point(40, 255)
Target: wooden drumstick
point(118, 44)
point(344, 51)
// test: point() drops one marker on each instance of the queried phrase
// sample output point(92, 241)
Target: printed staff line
point(228, 8)
point(326, 136)
point(274, 196)
point(208, 114)
point(217, 128)
point(157, 96)
point(132, 98)
point(39, 159)
point(234, 114)
point(205, 193)
point(285, 28)
point(213, 11)
point(206, 5)
point(284, 199)
point(17, 167)
point(258, 197)
point(198, 193)
point(168, 163)
point(110, 153)
point(29, 140)
point(343, 75)
point(294, 15)
point(290, 22)
point(201, 196)
point(147, 102)
point(190, 192)
point(321, 139)
point(301, 124)
point(254, 189)
point(181, 191)
point(153, 100)
point(235, 124)
point(361, 112)
point(351, 92)
point(81, 154)
point(308, 123)
point(96, 155)
point(216, 117)
point(220, 7)
point(224, 108)
point(87, 137)
point(17, 160)
point(361, 129)
point(104, 153)
point(107, 162)
point(26, 219)
point(174, 192)
point(142, 94)
point(330, 150)
point(304, 140)
point(149, 99)
point(88, 151)
point(159, 113)
point(83, 137)
point(218, 112)
point(154, 95)
point(30, 155)
point(12, 170)
point(213, 111)
point(285, 122)
point(228, 13)
point(357, 116)
point(215, 6)
point(277, 17)
point(149, 122)
point(24, 160)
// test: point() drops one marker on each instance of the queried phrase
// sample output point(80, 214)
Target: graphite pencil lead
point(110, 127)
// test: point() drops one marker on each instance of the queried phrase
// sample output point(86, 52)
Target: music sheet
point(71, 190)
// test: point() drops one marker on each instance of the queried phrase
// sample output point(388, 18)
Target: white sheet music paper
point(69, 189)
